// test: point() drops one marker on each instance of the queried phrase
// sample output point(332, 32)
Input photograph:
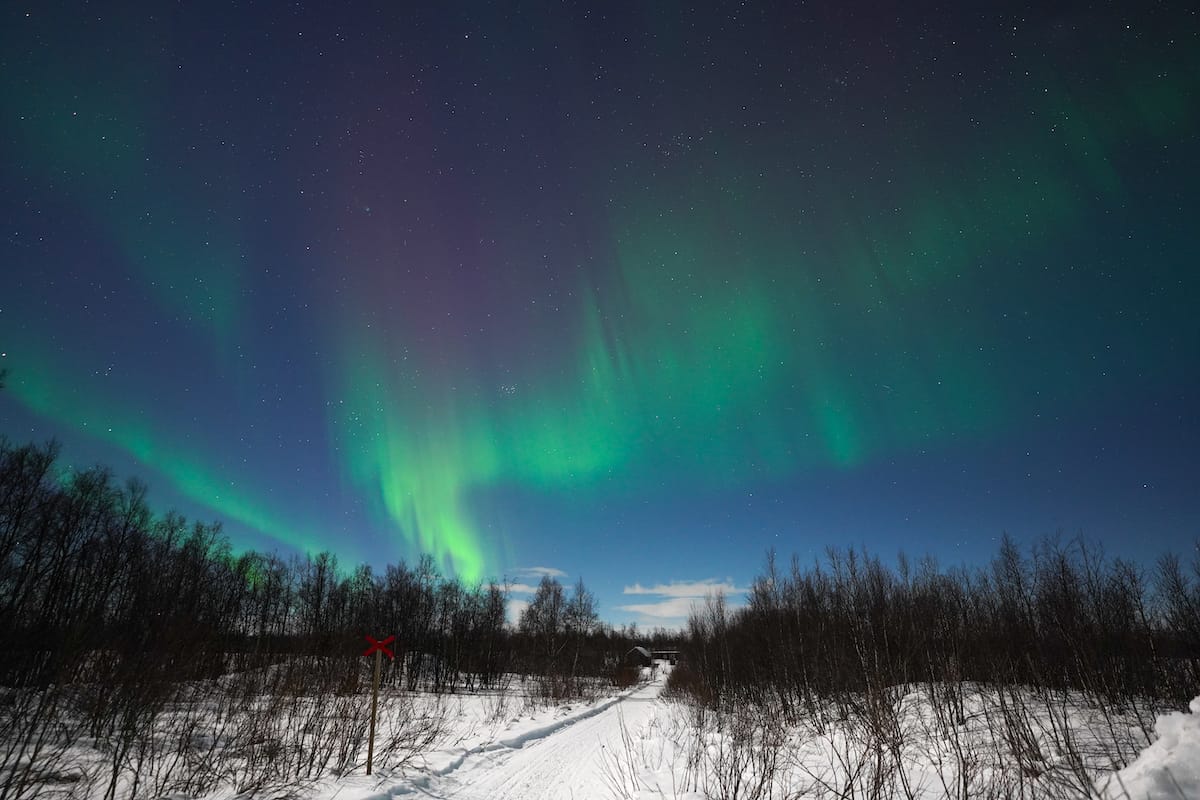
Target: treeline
point(138, 633)
point(86, 566)
point(1031, 677)
point(1061, 616)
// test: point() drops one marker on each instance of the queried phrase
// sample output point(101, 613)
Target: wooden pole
point(374, 703)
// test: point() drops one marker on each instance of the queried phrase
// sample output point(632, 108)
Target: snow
point(638, 746)
point(549, 753)
point(1168, 768)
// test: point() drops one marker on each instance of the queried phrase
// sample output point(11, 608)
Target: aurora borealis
point(633, 291)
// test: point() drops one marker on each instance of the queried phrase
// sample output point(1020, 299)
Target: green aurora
point(732, 345)
point(744, 323)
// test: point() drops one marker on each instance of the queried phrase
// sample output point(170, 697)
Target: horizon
point(683, 599)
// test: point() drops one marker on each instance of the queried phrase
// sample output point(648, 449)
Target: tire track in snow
point(567, 764)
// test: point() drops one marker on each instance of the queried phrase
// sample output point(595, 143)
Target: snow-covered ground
point(639, 746)
point(531, 754)
point(686, 756)
point(1170, 767)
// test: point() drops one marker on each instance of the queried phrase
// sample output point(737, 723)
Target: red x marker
point(380, 646)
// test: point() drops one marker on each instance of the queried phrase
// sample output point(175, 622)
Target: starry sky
point(630, 292)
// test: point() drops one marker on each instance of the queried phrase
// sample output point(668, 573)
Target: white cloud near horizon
point(550, 572)
point(692, 589)
point(521, 588)
point(515, 607)
point(675, 608)
point(680, 597)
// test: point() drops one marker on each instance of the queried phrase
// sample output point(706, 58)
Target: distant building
point(639, 656)
point(670, 656)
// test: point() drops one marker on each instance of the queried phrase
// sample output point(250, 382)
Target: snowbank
point(1169, 768)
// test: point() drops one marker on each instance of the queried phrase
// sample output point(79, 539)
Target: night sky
point(630, 291)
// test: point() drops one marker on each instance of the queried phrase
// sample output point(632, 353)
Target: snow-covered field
point(680, 754)
point(501, 747)
point(640, 745)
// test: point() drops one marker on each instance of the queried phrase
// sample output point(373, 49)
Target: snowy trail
point(566, 765)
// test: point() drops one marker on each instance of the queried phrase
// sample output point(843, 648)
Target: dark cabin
point(639, 657)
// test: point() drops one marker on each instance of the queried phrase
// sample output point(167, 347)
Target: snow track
point(561, 762)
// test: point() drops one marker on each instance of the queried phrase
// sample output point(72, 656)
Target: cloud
point(679, 598)
point(693, 589)
point(675, 608)
point(521, 588)
point(540, 571)
point(515, 607)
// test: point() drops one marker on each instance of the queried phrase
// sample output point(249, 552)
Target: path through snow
point(568, 764)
